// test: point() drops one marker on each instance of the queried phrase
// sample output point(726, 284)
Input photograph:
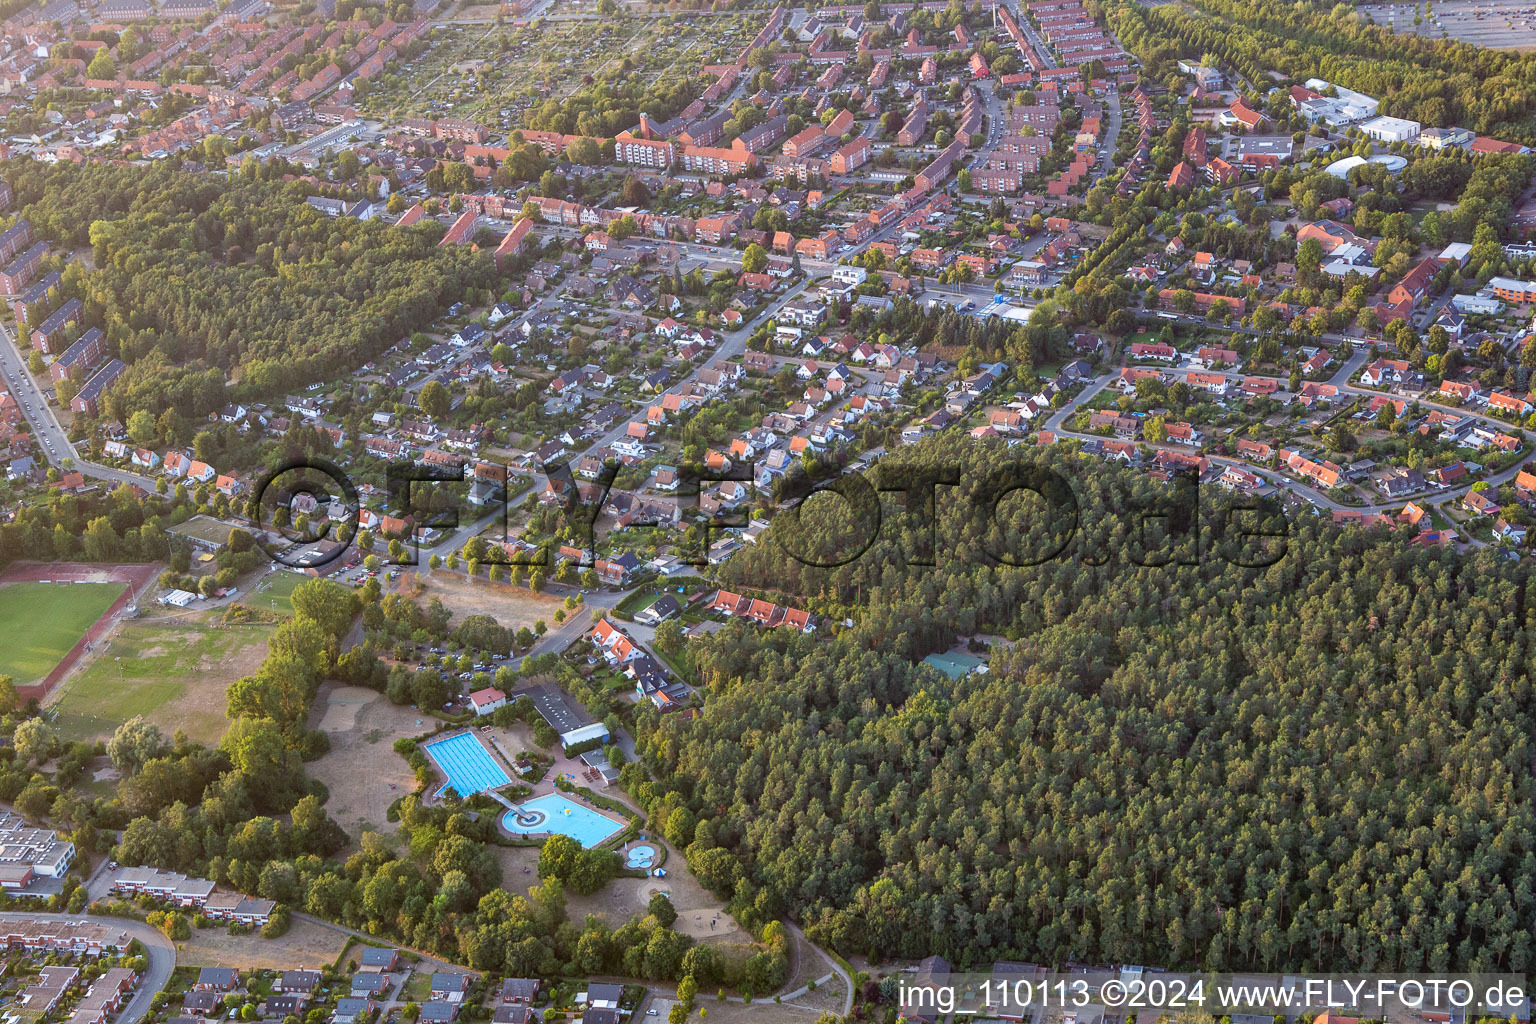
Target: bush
point(278, 924)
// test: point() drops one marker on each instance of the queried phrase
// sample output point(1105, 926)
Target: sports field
point(44, 620)
point(173, 671)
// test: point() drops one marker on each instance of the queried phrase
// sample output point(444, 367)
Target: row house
point(764, 613)
point(35, 296)
point(106, 996)
point(87, 401)
point(1324, 474)
point(49, 335)
point(80, 937)
point(44, 995)
point(88, 350)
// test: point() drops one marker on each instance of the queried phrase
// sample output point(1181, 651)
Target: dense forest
point(198, 280)
point(1322, 762)
point(1435, 82)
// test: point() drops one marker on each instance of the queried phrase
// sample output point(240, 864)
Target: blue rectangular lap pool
point(556, 815)
point(468, 766)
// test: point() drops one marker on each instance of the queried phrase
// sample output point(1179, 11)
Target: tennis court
point(470, 768)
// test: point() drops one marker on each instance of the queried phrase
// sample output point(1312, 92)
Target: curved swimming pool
point(558, 816)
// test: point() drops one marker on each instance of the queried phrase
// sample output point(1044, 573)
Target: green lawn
point(44, 620)
point(272, 592)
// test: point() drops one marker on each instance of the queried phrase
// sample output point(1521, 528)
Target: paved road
point(577, 622)
point(1028, 28)
point(51, 438)
point(159, 951)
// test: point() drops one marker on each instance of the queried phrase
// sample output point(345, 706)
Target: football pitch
point(44, 620)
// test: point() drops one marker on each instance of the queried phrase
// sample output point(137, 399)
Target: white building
point(1346, 107)
point(483, 702)
point(1474, 305)
point(1391, 129)
point(852, 276)
point(28, 853)
point(1459, 252)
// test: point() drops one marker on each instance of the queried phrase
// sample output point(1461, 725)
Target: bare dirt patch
point(699, 914)
point(362, 771)
point(513, 607)
point(307, 944)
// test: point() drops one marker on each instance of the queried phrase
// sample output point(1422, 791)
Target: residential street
point(51, 437)
point(1318, 498)
point(159, 951)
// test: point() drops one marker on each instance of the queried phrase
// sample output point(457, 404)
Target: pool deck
point(563, 766)
point(497, 743)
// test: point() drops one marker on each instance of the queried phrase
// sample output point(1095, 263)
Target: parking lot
point(1496, 24)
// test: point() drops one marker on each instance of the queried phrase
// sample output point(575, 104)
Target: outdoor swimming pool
point(469, 767)
point(555, 814)
point(640, 856)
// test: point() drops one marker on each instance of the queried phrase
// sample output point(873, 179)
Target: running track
point(137, 577)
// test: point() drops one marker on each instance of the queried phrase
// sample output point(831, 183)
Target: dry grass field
point(362, 770)
point(306, 943)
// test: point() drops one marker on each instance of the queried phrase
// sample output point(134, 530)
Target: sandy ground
point(306, 943)
point(810, 965)
point(513, 607)
point(362, 764)
point(696, 907)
